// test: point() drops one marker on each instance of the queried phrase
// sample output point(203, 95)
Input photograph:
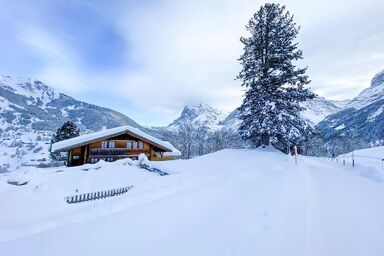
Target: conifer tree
point(67, 131)
point(274, 86)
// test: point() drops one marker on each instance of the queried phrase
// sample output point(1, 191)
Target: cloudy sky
point(147, 59)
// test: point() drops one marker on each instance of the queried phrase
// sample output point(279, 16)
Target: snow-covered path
point(260, 204)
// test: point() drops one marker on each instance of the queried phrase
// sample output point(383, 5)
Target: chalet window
point(94, 160)
point(130, 144)
point(108, 144)
point(75, 157)
point(109, 159)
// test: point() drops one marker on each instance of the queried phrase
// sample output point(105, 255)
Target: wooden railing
point(153, 169)
point(111, 152)
point(97, 195)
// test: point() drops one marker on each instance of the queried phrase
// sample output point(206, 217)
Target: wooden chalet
point(113, 144)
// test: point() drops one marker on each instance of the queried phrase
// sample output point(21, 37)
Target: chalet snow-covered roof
point(104, 134)
point(174, 152)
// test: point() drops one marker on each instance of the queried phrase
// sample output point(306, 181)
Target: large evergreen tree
point(274, 85)
point(67, 131)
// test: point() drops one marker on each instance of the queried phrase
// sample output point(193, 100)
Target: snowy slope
point(317, 109)
point(340, 103)
point(233, 202)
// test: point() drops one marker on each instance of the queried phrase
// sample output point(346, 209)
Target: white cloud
point(60, 68)
point(185, 52)
point(188, 50)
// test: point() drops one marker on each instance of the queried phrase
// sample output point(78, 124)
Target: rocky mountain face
point(359, 125)
point(32, 104)
point(199, 115)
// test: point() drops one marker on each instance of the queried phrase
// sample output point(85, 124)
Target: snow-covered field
point(23, 147)
point(232, 202)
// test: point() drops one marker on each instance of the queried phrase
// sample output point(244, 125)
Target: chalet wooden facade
point(114, 144)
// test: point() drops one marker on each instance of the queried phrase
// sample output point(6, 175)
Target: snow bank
point(232, 202)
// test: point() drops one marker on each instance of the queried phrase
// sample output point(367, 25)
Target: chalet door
point(78, 159)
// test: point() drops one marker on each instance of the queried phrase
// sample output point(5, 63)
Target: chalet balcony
point(115, 152)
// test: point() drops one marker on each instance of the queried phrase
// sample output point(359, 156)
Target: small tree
point(67, 131)
point(274, 86)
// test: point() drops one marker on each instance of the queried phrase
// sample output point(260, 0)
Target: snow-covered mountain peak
point(28, 87)
point(370, 95)
point(378, 79)
point(199, 115)
point(202, 108)
point(29, 103)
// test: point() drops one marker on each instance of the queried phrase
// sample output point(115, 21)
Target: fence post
point(353, 160)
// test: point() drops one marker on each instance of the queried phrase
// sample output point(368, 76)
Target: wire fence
point(351, 159)
point(97, 195)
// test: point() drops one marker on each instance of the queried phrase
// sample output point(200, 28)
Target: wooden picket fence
point(97, 195)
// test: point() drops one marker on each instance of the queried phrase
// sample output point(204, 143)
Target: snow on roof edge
point(86, 138)
point(175, 151)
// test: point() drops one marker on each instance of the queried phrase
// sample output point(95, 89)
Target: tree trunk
point(266, 140)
